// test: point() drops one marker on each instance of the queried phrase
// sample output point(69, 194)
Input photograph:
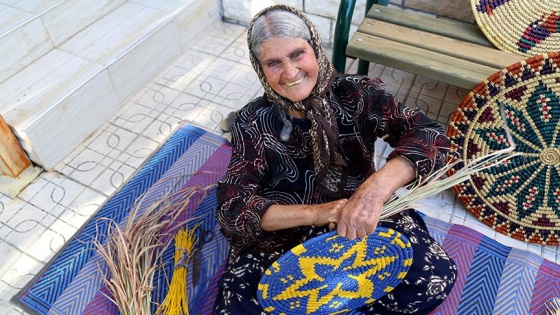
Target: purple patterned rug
point(493, 278)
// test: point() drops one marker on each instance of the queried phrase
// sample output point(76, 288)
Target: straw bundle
point(132, 251)
point(553, 308)
point(437, 182)
point(176, 301)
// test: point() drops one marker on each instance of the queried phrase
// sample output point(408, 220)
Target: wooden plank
point(13, 160)
point(463, 50)
point(437, 66)
point(454, 29)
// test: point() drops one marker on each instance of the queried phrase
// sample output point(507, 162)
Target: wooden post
point(13, 161)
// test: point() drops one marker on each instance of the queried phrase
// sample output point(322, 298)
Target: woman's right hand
point(327, 213)
point(279, 217)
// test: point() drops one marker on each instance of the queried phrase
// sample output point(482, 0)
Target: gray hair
point(276, 24)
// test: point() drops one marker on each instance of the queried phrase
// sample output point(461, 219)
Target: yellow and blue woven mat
point(332, 274)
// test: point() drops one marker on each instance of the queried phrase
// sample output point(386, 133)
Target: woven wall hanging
point(330, 274)
point(525, 27)
point(519, 198)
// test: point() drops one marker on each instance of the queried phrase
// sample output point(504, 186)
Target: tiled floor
point(201, 88)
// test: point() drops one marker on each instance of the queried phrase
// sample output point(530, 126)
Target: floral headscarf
point(329, 163)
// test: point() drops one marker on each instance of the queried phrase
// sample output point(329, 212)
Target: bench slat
point(454, 29)
point(463, 50)
point(437, 66)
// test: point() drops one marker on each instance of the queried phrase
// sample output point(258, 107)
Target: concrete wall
point(323, 12)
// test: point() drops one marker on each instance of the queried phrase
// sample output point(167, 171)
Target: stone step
point(31, 29)
point(62, 86)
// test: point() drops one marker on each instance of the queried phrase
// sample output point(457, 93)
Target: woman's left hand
point(360, 215)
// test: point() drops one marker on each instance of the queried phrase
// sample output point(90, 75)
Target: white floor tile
point(9, 254)
point(46, 246)
point(21, 272)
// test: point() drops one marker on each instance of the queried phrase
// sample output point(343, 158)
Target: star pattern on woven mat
point(526, 199)
point(353, 272)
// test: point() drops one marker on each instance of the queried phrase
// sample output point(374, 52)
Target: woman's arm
point(420, 147)
point(279, 217)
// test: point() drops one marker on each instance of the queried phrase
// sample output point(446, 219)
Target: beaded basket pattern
point(524, 27)
point(329, 274)
point(520, 197)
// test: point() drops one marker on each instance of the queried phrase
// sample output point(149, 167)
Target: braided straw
point(521, 197)
point(525, 27)
point(330, 274)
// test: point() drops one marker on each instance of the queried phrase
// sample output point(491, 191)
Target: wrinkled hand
point(360, 215)
point(327, 213)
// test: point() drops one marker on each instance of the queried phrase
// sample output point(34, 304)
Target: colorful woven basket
point(519, 198)
point(525, 27)
point(330, 274)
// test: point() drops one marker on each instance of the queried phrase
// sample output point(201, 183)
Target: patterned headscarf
point(329, 164)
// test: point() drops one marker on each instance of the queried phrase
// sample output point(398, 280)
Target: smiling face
point(290, 67)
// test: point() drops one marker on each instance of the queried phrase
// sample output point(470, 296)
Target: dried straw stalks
point(132, 251)
point(553, 308)
point(437, 182)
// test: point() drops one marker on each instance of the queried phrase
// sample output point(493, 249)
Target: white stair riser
point(59, 100)
point(58, 131)
point(36, 35)
point(22, 47)
point(72, 16)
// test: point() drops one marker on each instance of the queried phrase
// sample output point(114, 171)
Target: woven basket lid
point(521, 197)
point(329, 274)
point(525, 27)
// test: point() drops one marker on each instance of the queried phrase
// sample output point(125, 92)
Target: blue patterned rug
point(493, 278)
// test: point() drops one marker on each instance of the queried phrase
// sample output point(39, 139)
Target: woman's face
point(290, 67)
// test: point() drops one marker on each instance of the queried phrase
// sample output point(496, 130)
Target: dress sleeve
point(410, 132)
point(239, 205)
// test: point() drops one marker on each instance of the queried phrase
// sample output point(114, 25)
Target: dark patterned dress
point(265, 170)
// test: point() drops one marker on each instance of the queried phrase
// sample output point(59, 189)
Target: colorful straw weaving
point(331, 274)
point(526, 27)
point(520, 198)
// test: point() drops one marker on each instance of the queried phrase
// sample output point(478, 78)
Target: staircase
point(68, 65)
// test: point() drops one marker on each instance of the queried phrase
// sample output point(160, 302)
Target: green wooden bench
point(454, 52)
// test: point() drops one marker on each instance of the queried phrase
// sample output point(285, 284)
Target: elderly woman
point(302, 160)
